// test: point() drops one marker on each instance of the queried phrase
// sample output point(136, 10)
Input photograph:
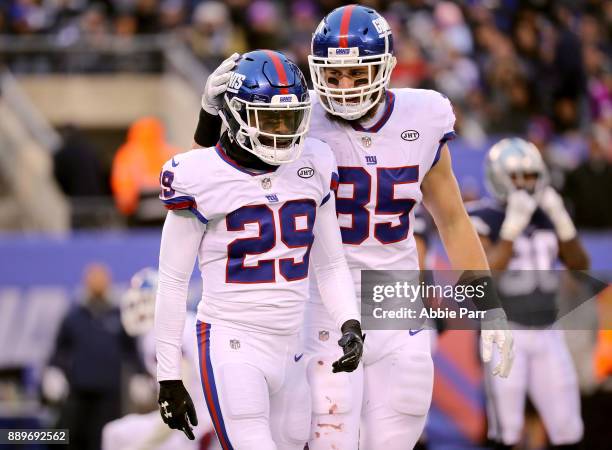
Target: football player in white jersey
point(255, 210)
point(390, 145)
point(147, 431)
point(525, 229)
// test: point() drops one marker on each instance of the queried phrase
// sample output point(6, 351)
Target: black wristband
point(484, 295)
point(171, 383)
point(208, 130)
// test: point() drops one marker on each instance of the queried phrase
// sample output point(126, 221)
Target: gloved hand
point(552, 204)
point(495, 330)
point(352, 344)
point(54, 384)
point(519, 209)
point(176, 407)
point(216, 84)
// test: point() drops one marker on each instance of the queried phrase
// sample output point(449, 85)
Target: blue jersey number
point(293, 234)
point(386, 203)
point(166, 178)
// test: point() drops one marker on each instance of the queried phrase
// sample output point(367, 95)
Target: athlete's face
point(526, 181)
point(346, 78)
point(280, 122)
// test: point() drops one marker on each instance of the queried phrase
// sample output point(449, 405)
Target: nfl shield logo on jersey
point(323, 335)
point(266, 183)
point(366, 141)
point(234, 344)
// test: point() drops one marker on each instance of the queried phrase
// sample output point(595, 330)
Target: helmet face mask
point(514, 164)
point(273, 132)
point(354, 102)
point(267, 113)
point(366, 44)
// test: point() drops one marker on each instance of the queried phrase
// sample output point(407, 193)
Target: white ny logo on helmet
point(235, 82)
point(381, 25)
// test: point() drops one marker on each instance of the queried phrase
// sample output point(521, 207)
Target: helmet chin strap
point(233, 149)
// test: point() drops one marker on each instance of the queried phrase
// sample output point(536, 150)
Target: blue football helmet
point(266, 107)
point(137, 305)
point(509, 162)
point(352, 36)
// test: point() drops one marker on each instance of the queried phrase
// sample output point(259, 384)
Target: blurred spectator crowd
point(538, 68)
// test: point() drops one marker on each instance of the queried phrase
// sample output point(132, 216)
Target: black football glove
point(176, 407)
point(352, 344)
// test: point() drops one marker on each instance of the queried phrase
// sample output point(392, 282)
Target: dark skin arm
point(498, 254)
point(573, 255)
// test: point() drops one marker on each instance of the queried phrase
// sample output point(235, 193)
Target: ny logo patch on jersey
point(272, 198)
point(371, 160)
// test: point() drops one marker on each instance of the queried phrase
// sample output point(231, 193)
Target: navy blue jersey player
point(525, 231)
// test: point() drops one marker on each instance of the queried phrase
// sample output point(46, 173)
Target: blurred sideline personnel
point(247, 209)
point(390, 145)
point(148, 431)
point(90, 350)
point(526, 228)
point(135, 172)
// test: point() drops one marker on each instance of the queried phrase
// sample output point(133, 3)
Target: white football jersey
point(259, 230)
point(380, 174)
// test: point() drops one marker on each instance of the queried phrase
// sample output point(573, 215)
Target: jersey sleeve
point(443, 116)
point(181, 237)
point(328, 170)
point(333, 182)
point(333, 276)
point(177, 189)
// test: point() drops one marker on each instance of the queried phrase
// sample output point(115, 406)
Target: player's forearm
point(181, 238)
point(442, 199)
point(208, 130)
point(573, 254)
point(499, 254)
point(462, 244)
point(170, 311)
point(333, 275)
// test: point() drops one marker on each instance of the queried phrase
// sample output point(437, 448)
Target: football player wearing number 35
point(255, 209)
point(390, 145)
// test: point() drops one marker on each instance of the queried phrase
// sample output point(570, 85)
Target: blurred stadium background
point(95, 95)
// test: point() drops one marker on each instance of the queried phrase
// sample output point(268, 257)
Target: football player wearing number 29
point(390, 145)
point(255, 209)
